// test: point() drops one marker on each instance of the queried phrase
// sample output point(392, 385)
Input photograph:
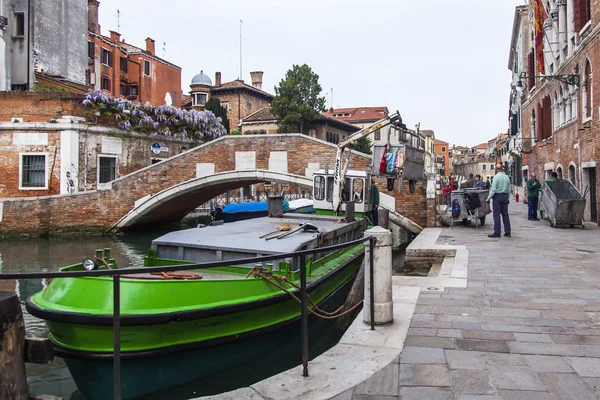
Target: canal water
point(33, 255)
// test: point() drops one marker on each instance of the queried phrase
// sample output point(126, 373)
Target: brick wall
point(96, 211)
point(39, 107)
point(238, 106)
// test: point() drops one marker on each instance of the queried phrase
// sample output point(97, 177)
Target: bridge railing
point(117, 272)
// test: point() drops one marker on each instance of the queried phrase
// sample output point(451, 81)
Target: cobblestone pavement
point(526, 327)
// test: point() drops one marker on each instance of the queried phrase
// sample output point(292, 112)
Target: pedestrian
point(374, 204)
point(499, 193)
point(469, 183)
point(479, 184)
point(487, 183)
point(533, 192)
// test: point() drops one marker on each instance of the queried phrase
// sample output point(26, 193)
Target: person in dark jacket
point(374, 204)
point(533, 192)
point(469, 183)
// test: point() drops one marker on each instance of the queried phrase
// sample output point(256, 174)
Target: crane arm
point(339, 174)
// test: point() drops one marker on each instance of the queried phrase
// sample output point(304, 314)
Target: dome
point(201, 79)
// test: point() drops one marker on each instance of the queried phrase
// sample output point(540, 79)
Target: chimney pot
point(93, 16)
point(217, 79)
point(150, 45)
point(256, 78)
point(115, 37)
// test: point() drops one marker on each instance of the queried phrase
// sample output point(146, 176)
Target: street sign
point(155, 148)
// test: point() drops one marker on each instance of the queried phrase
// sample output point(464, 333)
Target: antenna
point(164, 49)
point(331, 98)
point(118, 20)
point(241, 22)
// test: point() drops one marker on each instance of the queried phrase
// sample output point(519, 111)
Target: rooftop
point(240, 85)
point(358, 114)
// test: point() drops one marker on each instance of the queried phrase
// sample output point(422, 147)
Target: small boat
point(301, 206)
point(249, 210)
point(179, 327)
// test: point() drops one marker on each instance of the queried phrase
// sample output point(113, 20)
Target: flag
point(539, 16)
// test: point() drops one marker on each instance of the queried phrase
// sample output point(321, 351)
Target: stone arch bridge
point(182, 182)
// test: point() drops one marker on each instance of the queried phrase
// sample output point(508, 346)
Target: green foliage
point(362, 144)
point(214, 105)
point(235, 132)
point(297, 102)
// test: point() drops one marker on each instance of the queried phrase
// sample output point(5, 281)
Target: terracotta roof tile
point(358, 114)
point(240, 85)
point(262, 115)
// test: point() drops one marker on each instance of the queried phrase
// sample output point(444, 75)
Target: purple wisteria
point(161, 120)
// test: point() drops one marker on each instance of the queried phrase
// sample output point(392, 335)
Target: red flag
point(539, 16)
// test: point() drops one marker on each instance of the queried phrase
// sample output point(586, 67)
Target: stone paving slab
point(525, 327)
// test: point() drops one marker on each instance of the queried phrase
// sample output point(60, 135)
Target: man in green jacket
point(533, 192)
point(374, 204)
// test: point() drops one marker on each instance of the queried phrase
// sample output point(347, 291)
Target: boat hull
point(148, 374)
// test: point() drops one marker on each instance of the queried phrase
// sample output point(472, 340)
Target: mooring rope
point(156, 275)
point(265, 274)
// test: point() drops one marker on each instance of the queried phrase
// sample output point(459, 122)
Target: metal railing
point(117, 272)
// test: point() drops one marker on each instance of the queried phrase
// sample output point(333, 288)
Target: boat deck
point(244, 236)
point(206, 275)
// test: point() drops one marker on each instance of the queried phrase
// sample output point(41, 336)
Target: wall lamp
point(568, 79)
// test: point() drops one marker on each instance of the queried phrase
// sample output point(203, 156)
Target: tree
point(214, 105)
point(297, 102)
point(362, 144)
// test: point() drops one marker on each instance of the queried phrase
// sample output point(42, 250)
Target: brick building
point(324, 128)
point(553, 119)
point(50, 145)
point(238, 98)
point(124, 70)
point(363, 117)
point(442, 153)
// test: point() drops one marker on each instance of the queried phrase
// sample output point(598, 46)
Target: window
point(133, 90)
point(105, 84)
point(319, 187)
point(491, 167)
point(33, 171)
point(587, 92)
point(443, 149)
point(358, 189)
point(107, 169)
point(124, 90)
point(19, 24)
point(123, 64)
point(572, 174)
point(106, 57)
point(249, 104)
point(483, 167)
point(90, 49)
point(146, 67)
point(330, 188)
point(199, 99)
point(377, 134)
point(559, 171)
point(583, 12)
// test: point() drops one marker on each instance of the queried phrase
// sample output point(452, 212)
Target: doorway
point(589, 179)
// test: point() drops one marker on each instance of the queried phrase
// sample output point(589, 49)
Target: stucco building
point(553, 119)
point(442, 153)
point(128, 71)
point(41, 36)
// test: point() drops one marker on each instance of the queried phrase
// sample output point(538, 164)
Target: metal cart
point(473, 206)
point(562, 203)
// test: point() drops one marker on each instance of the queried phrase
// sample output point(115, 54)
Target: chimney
point(256, 77)
point(150, 45)
point(93, 16)
point(217, 79)
point(115, 37)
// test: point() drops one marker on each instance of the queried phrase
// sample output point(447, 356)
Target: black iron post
point(302, 265)
point(372, 284)
point(117, 337)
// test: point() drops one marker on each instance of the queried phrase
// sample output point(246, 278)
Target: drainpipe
point(29, 18)
point(579, 165)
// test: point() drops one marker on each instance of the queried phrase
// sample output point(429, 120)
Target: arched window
point(559, 171)
point(533, 127)
point(556, 111)
point(561, 104)
point(572, 174)
point(587, 90)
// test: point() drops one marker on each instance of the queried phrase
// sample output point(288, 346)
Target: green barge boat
point(179, 327)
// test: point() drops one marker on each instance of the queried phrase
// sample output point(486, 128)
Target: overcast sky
point(442, 63)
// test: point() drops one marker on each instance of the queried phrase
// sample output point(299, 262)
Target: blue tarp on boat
point(253, 209)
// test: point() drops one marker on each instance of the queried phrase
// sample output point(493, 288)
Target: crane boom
point(339, 174)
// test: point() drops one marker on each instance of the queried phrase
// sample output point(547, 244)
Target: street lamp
point(571, 79)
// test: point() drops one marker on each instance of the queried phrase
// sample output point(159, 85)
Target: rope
point(159, 275)
point(261, 272)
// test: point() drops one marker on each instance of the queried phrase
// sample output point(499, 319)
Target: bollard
point(13, 381)
point(382, 272)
